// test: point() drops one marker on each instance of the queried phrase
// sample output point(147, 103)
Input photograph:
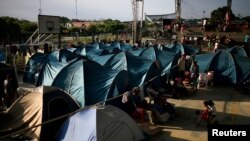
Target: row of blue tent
point(95, 80)
point(91, 77)
point(97, 49)
point(116, 47)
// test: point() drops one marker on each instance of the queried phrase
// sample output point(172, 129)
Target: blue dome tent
point(87, 81)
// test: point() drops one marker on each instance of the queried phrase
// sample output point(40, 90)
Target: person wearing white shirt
point(204, 24)
point(216, 46)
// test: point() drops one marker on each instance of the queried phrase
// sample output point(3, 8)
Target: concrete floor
point(232, 108)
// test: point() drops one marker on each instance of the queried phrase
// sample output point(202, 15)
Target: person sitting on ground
point(211, 110)
point(141, 103)
point(151, 91)
point(138, 100)
point(207, 114)
point(167, 106)
point(203, 114)
point(166, 88)
point(161, 114)
point(169, 86)
point(179, 90)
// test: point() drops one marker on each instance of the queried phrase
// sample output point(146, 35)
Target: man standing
point(182, 66)
point(204, 24)
point(194, 74)
point(13, 55)
point(46, 48)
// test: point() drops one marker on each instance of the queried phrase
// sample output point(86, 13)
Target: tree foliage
point(219, 14)
point(64, 20)
point(107, 26)
point(98, 27)
point(93, 29)
point(12, 29)
point(247, 18)
point(112, 26)
point(27, 26)
point(3, 25)
point(10, 25)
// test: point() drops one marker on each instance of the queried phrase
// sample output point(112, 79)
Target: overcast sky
point(114, 9)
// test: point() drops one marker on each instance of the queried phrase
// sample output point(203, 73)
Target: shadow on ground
point(164, 135)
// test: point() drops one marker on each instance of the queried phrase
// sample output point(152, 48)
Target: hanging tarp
point(160, 17)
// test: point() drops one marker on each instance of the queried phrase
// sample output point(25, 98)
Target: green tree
point(113, 26)
point(11, 29)
point(219, 14)
point(27, 26)
point(247, 18)
point(64, 20)
point(101, 27)
point(92, 29)
point(107, 26)
point(3, 29)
